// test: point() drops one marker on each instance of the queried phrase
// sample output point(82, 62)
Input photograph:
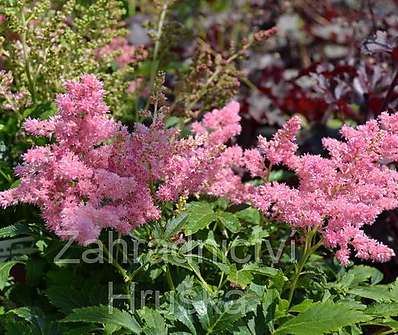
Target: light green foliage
point(54, 41)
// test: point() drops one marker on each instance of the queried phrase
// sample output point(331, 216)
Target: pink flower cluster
point(97, 175)
point(123, 53)
point(338, 194)
point(198, 163)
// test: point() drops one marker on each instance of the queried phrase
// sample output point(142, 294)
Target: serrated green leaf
point(257, 235)
point(301, 307)
point(240, 278)
point(383, 309)
point(14, 230)
point(250, 215)
point(281, 309)
point(175, 225)
point(377, 293)
point(18, 328)
point(154, 323)
point(278, 281)
point(229, 220)
point(211, 245)
point(101, 314)
point(260, 269)
point(64, 299)
point(37, 320)
point(222, 203)
point(5, 268)
point(109, 329)
point(394, 290)
point(25, 313)
point(200, 215)
point(189, 246)
point(185, 317)
point(322, 318)
point(269, 304)
point(361, 274)
point(202, 311)
point(230, 313)
point(244, 276)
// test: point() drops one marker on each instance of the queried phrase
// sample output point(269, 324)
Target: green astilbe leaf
point(14, 230)
point(323, 318)
point(383, 309)
point(102, 314)
point(200, 215)
point(154, 323)
point(5, 268)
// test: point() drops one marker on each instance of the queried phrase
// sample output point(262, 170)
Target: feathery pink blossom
point(98, 175)
point(81, 182)
point(339, 194)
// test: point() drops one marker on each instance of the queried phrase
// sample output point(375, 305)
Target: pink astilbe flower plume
point(339, 194)
point(98, 175)
point(201, 163)
point(94, 176)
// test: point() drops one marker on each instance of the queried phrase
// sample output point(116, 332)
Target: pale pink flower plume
point(201, 163)
point(97, 175)
point(339, 194)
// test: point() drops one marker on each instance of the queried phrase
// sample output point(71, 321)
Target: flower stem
point(117, 266)
point(155, 61)
point(309, 249)
point(136, 272)
point(132, 7)
point(169, 278)
point(25, 53)
point(201, 279)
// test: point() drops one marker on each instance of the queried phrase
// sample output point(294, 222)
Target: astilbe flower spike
point(339, 194)
point(203, 159)
point(97, 175)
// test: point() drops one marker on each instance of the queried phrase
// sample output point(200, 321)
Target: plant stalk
point(155, 61)
point(169, 278)
point(309, 249)
point(26, 60)
point(115, 263)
